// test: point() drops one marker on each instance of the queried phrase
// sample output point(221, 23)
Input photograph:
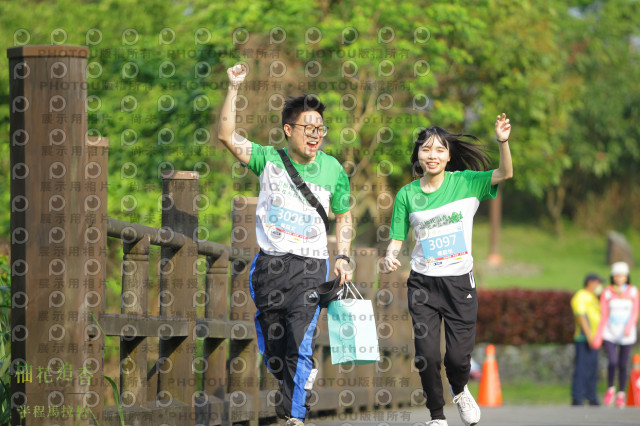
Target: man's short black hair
point(592, 277)
point(293, 107)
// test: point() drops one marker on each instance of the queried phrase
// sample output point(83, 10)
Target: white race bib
point(444, 245)
point(289, 224)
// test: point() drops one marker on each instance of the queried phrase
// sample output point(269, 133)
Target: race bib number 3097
point(444, 244)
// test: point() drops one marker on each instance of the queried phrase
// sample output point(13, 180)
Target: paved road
point(500, 416)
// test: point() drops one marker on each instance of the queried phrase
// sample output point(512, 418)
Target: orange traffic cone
point(633, 390)
point(490, 394)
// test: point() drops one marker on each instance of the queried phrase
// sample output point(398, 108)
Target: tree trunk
point(555, 204)
point(495, 219)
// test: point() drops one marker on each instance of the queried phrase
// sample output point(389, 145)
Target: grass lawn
point(532, 393)
point(534, 258)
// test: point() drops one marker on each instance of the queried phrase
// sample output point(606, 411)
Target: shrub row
point(517, 317)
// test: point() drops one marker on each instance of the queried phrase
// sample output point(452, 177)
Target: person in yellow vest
point(586, 311)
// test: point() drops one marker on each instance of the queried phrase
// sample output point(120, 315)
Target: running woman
point(439, 208)
point(619, 307)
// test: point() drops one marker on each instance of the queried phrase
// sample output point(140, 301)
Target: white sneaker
point(437, 422)
point(467, 407)
point(292, 421)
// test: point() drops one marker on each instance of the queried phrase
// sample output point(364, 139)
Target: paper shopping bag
point(352, 332)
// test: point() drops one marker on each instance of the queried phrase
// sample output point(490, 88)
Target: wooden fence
point(59, 227)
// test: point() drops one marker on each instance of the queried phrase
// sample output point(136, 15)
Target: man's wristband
point(343, 256)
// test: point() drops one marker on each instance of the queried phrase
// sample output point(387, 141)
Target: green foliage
point(156, 121)
point(566, 74)
point(5, 340)
point(116, 396)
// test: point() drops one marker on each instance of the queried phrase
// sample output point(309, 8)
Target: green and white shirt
point(442, 221)
point(285, 221)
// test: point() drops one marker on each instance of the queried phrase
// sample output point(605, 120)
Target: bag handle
point(350, 287)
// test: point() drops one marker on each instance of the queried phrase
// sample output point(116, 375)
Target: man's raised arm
point(238, 145)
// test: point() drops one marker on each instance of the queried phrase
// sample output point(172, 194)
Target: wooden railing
point(59, 263)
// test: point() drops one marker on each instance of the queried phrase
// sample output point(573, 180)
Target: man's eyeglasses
point(309, 129)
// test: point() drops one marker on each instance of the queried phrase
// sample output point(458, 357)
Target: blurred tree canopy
point(566, 73)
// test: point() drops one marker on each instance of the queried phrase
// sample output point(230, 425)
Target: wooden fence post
point(215, 349)
point(392, 365)
point(96, 174)
point(53, 265)
point(243, 405)
point(326, 391)
point(134, 302)
point(365, 273)
point(403, 345)
point(178, 285)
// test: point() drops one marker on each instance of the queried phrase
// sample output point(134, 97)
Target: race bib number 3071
point(291, 222)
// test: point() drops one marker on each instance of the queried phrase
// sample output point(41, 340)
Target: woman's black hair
point(628, 279)
point(465, 153)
